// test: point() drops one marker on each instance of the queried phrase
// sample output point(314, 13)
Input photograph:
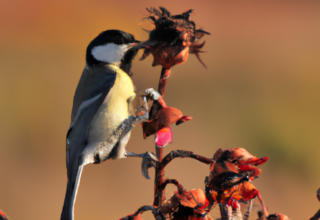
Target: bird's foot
point(142, 114)
point(149, 160)
point(151, 94)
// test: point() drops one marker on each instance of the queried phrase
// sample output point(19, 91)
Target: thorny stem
point(143, 209)
point(172, 181)
point(159, 176)
point(159, 196)
point(159, 151)
point(165, 73)
point(209, 195)
point(182, 153)
point(316, 216)
point(159, 191)
point(264, 208)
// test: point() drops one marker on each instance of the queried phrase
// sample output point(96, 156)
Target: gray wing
point(77, 139)
point(89, 86)
point(78, 132)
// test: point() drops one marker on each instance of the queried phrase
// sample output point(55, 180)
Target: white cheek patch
point(110, 53)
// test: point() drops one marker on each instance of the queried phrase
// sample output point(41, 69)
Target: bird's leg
point(149, 159)
point(142, 113)
point(147, 154)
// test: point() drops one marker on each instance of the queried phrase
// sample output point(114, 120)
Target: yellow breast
point(114, 110)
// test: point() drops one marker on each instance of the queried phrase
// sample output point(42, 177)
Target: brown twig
point(159, 192)
point(159, 197)
point(163, 80)
point(172, 181)
point(170, 42)
point(159, 151)
point(182, 153)
point(316, 216)
point(146, 208)
point(136, 216)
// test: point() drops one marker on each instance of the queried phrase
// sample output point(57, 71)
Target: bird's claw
point(149, 160)
point(142, 113)
point(151, 94)
point(146, 95)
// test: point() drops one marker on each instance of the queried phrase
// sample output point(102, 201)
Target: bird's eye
point(235, 162)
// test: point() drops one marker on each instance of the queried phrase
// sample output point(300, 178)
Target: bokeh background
point(261, 91)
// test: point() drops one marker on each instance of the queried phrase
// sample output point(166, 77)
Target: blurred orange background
point(261, 91)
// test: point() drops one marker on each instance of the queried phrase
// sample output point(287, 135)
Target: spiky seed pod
point(173, 37)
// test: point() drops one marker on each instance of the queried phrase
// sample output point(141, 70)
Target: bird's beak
point(141, 45)
point(183, 119)
point(131, 45)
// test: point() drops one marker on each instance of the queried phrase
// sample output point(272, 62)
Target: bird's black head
point(112, 46)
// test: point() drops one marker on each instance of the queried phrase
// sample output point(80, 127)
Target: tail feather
point(71, 193)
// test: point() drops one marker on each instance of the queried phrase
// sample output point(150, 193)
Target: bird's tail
point(72, 188)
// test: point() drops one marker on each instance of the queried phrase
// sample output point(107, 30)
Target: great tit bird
point(101, 108)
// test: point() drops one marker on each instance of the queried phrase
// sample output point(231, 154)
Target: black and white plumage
point(101, 107)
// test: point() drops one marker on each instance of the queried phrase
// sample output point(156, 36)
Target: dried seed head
point(173, 37)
